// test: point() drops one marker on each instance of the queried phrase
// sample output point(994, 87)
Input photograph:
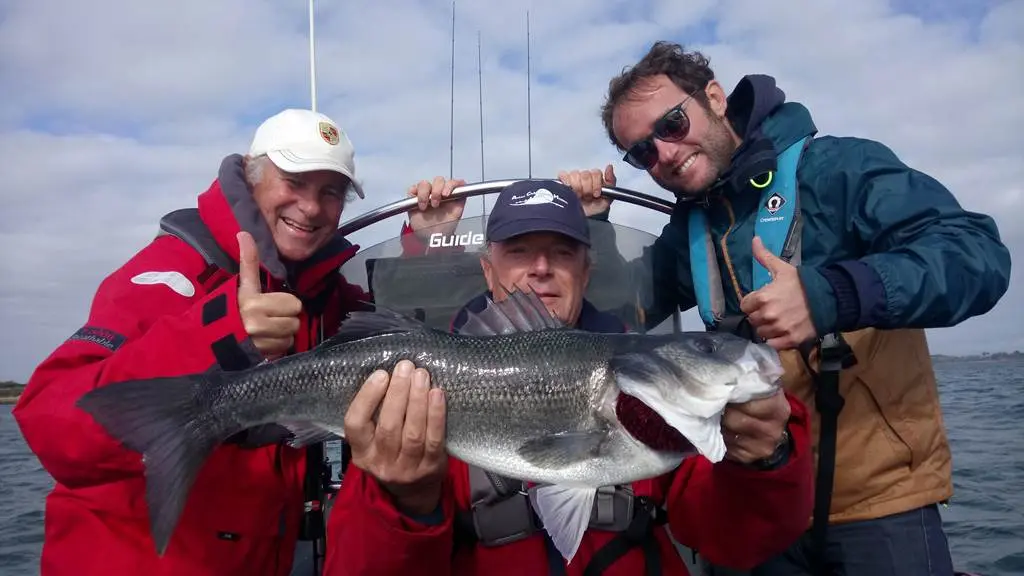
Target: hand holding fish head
point(404, 449)
point(755, 430)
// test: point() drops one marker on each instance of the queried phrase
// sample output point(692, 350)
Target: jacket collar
point(227, 208)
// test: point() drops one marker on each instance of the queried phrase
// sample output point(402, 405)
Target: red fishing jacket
point(732, 515)
point(166, 312)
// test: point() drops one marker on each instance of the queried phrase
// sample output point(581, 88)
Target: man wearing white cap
point(250, 274)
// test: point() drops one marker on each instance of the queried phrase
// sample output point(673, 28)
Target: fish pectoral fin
point(563, 449)
point(565, 513)
point(306, 433)
point(520, 311)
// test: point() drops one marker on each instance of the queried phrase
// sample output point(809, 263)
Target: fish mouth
point(648, 427)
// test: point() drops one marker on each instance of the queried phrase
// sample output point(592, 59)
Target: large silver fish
point(526, 398)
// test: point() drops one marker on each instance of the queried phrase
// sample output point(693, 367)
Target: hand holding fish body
point(404, 447)
point(518, 393)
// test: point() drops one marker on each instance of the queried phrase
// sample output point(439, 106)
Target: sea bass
point(526, 397)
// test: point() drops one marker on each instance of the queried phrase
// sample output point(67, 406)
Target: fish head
point(707, 360)
point(686, 380)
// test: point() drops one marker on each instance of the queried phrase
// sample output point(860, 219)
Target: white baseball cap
point(299, 141)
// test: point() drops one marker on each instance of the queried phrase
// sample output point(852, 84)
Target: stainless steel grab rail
point(482, 188)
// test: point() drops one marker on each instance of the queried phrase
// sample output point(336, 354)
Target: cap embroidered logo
point(539, 196)
point(329, 133)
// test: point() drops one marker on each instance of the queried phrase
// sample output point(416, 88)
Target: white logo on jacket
point(539, 196)
point(174, 280)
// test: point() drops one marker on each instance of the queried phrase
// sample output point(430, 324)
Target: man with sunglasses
point(837, 254)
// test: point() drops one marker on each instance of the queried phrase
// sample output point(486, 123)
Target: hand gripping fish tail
point(527, 398)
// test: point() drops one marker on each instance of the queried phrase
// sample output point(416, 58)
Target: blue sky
point(106, 126)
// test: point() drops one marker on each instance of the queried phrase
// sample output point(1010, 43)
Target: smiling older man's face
point(554, 266)
point(302, 210)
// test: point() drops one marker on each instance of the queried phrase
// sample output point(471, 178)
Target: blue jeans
point(907, 544)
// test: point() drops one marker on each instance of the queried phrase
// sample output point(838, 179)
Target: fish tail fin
point(160, 419)
point(565, 513)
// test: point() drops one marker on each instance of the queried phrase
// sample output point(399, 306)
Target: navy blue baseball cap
point(537, 206)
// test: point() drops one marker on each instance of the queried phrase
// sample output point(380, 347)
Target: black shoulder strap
point(836, 355)
point(186, 225)
point(639, 533)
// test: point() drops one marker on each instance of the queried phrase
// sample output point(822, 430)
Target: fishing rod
point(451, 116)
point(529, 131)
point(480, 93)
point(312, 61)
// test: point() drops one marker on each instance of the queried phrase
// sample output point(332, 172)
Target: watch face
point(778, 457)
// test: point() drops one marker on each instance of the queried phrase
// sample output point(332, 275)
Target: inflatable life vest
point(779, 225)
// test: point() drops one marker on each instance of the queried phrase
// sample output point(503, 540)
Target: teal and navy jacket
point(883, 245)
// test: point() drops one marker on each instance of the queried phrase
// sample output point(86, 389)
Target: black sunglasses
point(673, 126)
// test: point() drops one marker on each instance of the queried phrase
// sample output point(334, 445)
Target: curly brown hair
point(690, 71)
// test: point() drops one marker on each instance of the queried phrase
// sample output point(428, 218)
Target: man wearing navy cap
point(407, 507)
point(538, 239)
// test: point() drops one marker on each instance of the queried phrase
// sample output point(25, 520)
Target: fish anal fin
point(565, 513)
point(306, 433)
point(519, 311)
point(563, 449)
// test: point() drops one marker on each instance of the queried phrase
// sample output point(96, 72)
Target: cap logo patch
point(329, 133)
point(539, 196)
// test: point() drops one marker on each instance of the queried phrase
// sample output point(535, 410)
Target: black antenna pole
point(451, 126)
point(529, 132)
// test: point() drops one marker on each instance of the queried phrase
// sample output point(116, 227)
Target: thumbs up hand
point(779, 311)
point(271, 319)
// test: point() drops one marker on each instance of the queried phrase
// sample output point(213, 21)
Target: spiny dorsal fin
point(361, 324)
point(520, 311)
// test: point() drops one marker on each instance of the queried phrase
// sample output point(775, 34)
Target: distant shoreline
point(10, 392)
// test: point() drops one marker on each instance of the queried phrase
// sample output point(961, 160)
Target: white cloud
point(116, 112)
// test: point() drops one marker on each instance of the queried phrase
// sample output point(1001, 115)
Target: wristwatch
point(779, 457)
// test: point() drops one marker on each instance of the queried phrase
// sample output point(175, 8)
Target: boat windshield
point(433, 284)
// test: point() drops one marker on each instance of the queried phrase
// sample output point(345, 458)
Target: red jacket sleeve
point(136, 329)
point(366, 534)
point(738, 517)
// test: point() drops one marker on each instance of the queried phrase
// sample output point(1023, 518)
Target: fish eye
point(706, 345)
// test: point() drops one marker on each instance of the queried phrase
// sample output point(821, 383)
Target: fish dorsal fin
point(361, 324)
point(520, 311)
